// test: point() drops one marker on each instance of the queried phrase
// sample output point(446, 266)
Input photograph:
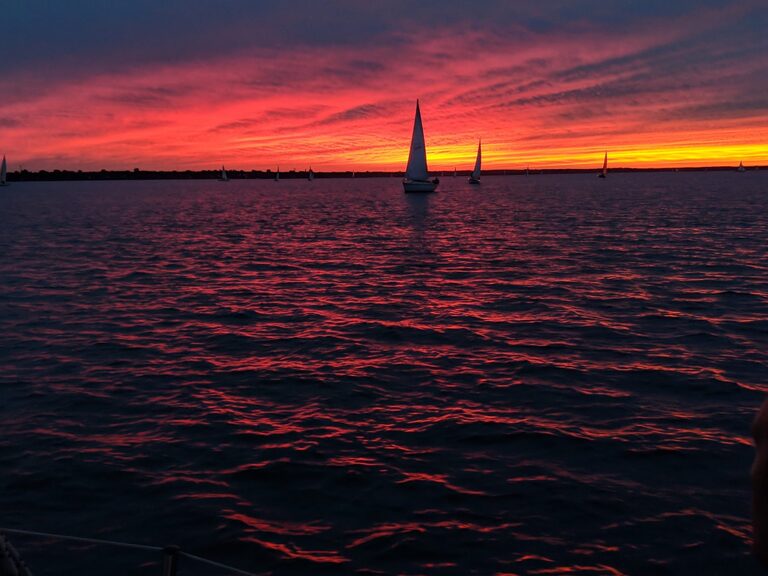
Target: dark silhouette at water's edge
point(137, 174)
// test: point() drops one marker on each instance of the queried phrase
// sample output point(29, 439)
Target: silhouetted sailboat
point(310, 174)
point(277, 174)
point(3, 170)
point(604, 173)
point(416, 173)
point(741, 167)
point(223, 177)
point(474, 178)
point(454, 172)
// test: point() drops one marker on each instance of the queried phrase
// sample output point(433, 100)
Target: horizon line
point(126, 174)
point(364, 170)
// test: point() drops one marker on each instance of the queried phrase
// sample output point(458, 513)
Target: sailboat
point(454, 172)
point(223, 177)
point(741, 167)
point(310, 174)
point(474, 178)
point(604, 173)
point(277, 174)
point(416, 173)
point(3, 170)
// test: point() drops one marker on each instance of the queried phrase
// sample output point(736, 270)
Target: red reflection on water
point(173, 477)
point(294, 552)
point(106, 440)
point(441, 479)
point(345, 461)
point(592, 548)
point(577, 568)
point(209, 496)
point(732, 525)
point(394, 528)
point(528, 557)
point(282, 528)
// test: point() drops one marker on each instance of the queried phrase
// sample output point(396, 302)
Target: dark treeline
point(136, 174)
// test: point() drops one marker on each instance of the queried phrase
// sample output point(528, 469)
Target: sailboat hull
point(473, 180)
point(419, 185)
point(601, 175)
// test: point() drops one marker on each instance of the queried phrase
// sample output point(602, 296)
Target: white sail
point(310, 174)
point(277, 174)
point(3, 169)
point(224, 176)
point(417, 157)
point(476, 171)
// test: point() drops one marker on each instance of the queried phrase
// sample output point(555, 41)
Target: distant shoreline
point(136, 174)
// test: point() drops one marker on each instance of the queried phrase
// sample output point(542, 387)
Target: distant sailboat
point(277, 174)
point(223, 177)
point(740, 168)
point(416, 173)
point(3, 170)
point(474, 178)
point(604, 173)
point(527, 170)
point(310, 174)
point(454, 172)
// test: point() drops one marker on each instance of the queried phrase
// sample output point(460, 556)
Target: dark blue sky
point(94, 33)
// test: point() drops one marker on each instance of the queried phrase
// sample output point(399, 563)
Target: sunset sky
point(194, 84)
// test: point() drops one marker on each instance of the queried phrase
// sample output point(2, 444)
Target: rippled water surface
point(537, 375)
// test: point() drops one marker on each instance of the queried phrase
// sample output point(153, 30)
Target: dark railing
point(170, 554)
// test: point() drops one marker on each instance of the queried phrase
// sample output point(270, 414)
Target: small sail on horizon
point(604, 172)
point(416, 172)
point(3, 170)
point(310, 174)
point(223, 177)
point(741, 167)
point(474, 178)
point(277, 174)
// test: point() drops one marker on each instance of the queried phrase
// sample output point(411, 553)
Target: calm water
point(538, 375)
